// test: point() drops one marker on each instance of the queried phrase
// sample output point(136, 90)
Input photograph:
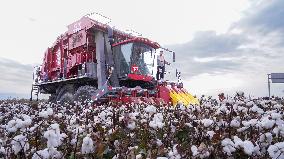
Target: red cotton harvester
point(96, 63)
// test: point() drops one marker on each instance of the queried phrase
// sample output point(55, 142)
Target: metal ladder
point(34, 91)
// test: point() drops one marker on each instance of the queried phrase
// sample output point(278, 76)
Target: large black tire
point(84, 94)
point(66, 94)
point(52, 98)
point(67, 97)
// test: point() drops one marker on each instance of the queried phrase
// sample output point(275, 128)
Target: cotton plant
point(221, 129)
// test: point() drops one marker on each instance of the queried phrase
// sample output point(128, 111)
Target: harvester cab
point(95, 62)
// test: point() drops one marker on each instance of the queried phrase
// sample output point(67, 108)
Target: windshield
point(143, 57)
point(135, 55)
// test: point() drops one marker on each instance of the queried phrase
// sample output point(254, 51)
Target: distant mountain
point(13, 95)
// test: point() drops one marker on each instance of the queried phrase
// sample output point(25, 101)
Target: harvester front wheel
point(66, 94)
point(84, 94)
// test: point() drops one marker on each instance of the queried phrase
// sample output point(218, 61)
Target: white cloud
point(222, 45)
point(209, 84)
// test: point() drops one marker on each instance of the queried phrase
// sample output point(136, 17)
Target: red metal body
point(77, 46)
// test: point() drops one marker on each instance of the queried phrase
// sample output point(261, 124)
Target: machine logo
point(134, 68)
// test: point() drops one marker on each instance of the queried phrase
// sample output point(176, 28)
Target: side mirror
point(174, 57)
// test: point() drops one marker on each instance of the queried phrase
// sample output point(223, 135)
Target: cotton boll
point(159, 142)
point(248, 147)
point(43, 114)
point(54, 153)
point(88, 145)
point(53, 136)
point(278, 106)
point(210, 134)
point(228, 146)
point(235, 123)
point(131, 125)
point(276, 150)
point(249, 123)
point(150, 109)
point(11, 126)
point(207, 122)
point(266, 123)
point(139, 156)
point(256, 109)
point(194, 150)
point(47, 153)
point(41, 154)
point(59, 115)
point(276, 116)
point(250, 103)
point(73, 141)
point(2, 151)
point(238, 142)
point(157, 121)
point(173, 154)
point(19, 123)
point(19, 143)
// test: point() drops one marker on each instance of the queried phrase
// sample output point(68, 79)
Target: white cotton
point(88, 145)
point(19, 124)
point(266, 123)
point(189, 125)
point(139, 156)
point(43, 114)
point(173, 154)
point(159, 142)
point(2, 150)
point(242, 109)
point(269, 137)
point(53, 136)
point(249, 123)
point(276, 116)
point(41, 154)
point(210, 134)
point(276, 150)
point(150, 109)
point(47, 153)
point(250, 103)
point(11, 126)
point(59, 115)
point(278, 106)
point(73, 141)
point(242, 129)
point(19, 143)
point(194, 150)
point(228, 146)
point(131, 125)
point(248, 147)
point(157, 121)
point(238, 142)
point(235, 123)
point(207, 122)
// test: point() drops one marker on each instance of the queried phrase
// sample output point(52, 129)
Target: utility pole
point(268, 80)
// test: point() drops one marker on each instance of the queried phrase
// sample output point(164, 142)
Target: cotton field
point(237, 127)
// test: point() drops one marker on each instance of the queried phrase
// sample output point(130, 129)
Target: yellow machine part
point(184, 97)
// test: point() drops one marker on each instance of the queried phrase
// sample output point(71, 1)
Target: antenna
point(95, 13)
point(133, 31)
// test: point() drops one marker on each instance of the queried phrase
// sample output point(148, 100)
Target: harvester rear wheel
point(84, 94)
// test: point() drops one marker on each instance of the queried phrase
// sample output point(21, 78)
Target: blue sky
point(222, 46)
